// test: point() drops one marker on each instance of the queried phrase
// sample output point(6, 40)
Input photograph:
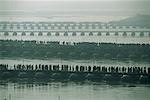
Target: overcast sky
point(75, 7)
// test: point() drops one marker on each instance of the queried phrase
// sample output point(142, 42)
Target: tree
point(60, 54)
point(83, 55)
point(72, 55)
point(107, 56)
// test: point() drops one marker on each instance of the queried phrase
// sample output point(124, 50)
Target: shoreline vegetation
point(66, 50)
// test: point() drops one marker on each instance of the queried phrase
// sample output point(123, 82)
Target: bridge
point(72, 31)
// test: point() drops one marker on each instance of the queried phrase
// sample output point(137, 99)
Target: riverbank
point(76, 73)
point(83, 50)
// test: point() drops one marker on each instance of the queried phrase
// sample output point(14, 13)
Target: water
point(68, 90)
point(72, 91)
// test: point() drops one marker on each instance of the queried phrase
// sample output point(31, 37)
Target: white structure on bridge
point(74, 32)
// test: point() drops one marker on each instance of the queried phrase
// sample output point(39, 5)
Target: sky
point(74, 0)
point(74, 7)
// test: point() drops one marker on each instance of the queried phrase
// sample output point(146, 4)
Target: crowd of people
point(3, 66)
point(78, 68)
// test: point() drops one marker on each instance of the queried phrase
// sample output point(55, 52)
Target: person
point(77, 68)
point(50, 67)
point(148, 70)
point(89, 69)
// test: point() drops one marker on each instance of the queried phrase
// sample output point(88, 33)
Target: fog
point(72, 7)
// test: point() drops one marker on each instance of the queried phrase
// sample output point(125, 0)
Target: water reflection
point(71, 91)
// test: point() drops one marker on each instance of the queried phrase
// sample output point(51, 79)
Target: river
point(72, 91)
point(69, 90)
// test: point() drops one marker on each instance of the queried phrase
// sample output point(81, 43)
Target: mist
point(93, 8)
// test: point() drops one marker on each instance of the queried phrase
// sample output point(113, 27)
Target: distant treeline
point(84, 50)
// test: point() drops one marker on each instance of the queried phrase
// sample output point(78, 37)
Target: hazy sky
point(75, 7)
